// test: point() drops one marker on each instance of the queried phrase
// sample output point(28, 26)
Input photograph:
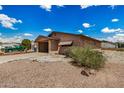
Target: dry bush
point(86, 56)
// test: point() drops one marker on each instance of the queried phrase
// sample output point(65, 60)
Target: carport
point(47, 44)
point(43, 46)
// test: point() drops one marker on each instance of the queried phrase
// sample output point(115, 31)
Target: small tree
point(26, 43)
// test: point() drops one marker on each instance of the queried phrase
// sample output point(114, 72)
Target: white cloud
point(46, 7)
point(1, 7)
point(80, 31)
point(49, 7)
point(47, 29)
point(87, 6)
point(116, 38)
point(60, 5)
point(115, 20)
point(8, 22)
point(28, 34)
point(19, 21)
point(107, 30)
point(87, 25)
point(15, 39)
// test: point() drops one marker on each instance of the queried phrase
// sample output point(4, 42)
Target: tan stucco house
point(58, 41)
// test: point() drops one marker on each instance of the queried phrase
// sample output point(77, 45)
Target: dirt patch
point(24, 73)
point(114, 56)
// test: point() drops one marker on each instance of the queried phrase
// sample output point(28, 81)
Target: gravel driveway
point(41, 57)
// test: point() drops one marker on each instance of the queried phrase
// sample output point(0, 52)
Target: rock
point(35, 60)
point(92, 71)
point(85, 73)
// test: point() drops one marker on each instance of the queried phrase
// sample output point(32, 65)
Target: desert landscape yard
point(30, 72)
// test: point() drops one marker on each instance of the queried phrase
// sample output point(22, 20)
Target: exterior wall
point(54, 45)
point(77, 40)
point(63, 49)
point(107, 45)
point(67, 37)
point(90, 42)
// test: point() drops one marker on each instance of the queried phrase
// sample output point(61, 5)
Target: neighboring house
point(59, 41)
point(107, 44)
point(3, 45)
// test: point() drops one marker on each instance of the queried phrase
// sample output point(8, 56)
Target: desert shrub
point(86, 56)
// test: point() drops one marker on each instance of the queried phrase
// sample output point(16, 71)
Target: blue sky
point(101, 22)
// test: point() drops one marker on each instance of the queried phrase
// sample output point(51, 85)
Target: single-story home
point(107, 44)
point(59, 41)
point(3, 45)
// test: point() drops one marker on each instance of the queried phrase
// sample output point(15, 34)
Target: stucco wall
point(54, 45)
point(77, 40)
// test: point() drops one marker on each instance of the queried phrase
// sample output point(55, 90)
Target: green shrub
point(86, 56)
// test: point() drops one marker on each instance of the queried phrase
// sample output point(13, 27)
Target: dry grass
point(58, 74)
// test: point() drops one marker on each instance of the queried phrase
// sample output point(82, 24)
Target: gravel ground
point(25, 73)
point(6, 58)
point(114, 56)
point(41, 57)
point(46, 70)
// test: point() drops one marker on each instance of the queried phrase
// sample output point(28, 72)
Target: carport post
point(37, 47)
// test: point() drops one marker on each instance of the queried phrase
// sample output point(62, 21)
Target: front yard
point(31, 73)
